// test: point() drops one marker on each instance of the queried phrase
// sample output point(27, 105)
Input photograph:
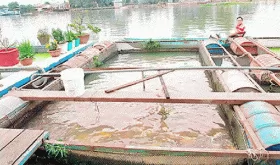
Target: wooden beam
point(167, 151)
point(136, 82)
point(194, 98)
point(164, 88)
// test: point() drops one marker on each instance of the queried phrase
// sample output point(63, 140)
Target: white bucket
point(73, 81)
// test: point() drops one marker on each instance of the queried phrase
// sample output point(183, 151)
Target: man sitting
point(239, 29)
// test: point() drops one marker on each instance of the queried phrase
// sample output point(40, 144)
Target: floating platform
point(18, 79)
point(17, 145)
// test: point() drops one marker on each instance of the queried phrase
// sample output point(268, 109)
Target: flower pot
point(77, 42)
point(26, 61)
point(44, 40)
point(73, 44)
point(64, 47)
point(69, 46)
point(55, 53)
point(9, 57)
point(84, 39)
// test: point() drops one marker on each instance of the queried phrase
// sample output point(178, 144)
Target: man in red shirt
point(239, 29)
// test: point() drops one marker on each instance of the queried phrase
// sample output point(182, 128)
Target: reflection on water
point(145, 124)
point(261, 19)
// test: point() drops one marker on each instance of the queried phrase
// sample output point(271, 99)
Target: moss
point(41, 56)
point(275, 50)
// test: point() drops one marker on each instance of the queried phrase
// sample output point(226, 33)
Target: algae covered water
point(140, 124)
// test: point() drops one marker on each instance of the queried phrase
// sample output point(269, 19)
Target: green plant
point(151, 45)
point(69, 36)
point(43, 33)
point(52, 45)
point(57, 151)
point(5, 43)
point(58, 35)
point(94, 29)
point(26, 50)
point(96, 62)
point(79, 27)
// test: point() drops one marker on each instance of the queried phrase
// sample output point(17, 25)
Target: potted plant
point(53, 48)
point(43, 36)
point(26, 53)
point(79, 27)
point(69, 39)
point(8, 53)
point(74, 37)
point(59, 37)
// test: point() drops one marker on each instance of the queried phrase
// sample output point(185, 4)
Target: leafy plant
point(43, 33)
point(151, 45)
point(52, 45)
point(26, 50)
point(57, 151)
point(96, 62)
point(94, 29)
point(5, 43)
point(69, 36)
point(79, 27)
point(58, 35)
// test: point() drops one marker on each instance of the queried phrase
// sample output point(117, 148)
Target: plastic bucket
point(73, 81)
point(77, 42)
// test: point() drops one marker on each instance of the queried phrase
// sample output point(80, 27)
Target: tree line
point(16, 6)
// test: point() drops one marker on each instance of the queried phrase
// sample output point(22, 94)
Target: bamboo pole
point(135, 82)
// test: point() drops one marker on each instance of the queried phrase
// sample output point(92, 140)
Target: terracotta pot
point(9, 57)
point(26, 61)
point(44, 40)
point(55, 53)
point(84, 39)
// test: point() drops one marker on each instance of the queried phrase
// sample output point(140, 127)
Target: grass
point(275, 50)
point(41, 56)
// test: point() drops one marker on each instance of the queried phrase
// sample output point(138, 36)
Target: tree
point(3, 6)
point(47, 3)
point(13, 5)
point(26, 8)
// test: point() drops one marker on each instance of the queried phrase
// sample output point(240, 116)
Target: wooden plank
point(167, 151)
point(18, 146)
point(166, 93)
point(25, 156)
point(7, 136)
point(194, 98)
point(136, 82)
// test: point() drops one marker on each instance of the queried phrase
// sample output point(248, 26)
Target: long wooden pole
point(136, 82)
point(193, 98)
point(164, 88)
point(167, 151)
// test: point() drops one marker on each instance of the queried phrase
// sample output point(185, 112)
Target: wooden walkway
point(193, 98)
point(17, 145)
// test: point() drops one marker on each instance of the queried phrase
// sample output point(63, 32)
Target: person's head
point(239, 20)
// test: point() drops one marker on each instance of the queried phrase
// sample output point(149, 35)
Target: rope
point(34, 76)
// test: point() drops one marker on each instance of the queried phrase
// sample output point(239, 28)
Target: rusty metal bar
point(166, 93)
point(275, 69)
point(167, 151)
point(272, 75)
point(136, 82)
point(117, 68)
point(194, 98)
